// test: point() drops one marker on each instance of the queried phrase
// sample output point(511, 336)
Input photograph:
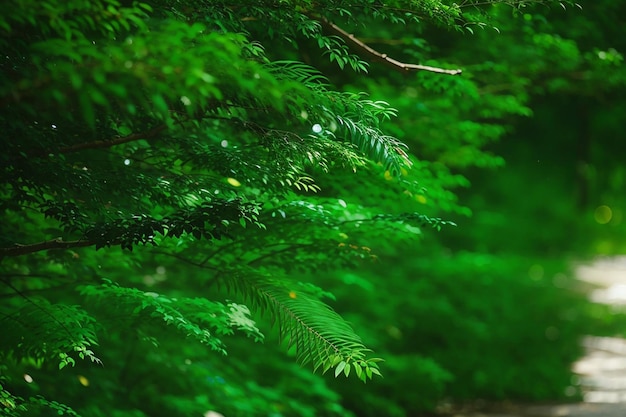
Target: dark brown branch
point(120, 140)
point(186, 260)
point(46, 276)
point(115, 141)
point(18, 250)
point(360, 45)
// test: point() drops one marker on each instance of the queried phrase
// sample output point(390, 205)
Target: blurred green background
point(531, 140)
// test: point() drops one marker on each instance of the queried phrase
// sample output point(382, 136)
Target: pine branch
point(360, 45)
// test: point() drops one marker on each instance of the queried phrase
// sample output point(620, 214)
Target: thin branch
point(18, 250)
point(384, 41)
point(218, 272)
point(211, 255)
point(112, 142)
point(36, 275)
point(291, 247)
point(360, 45)
point(183, 259)
point(45, 290)
point(37, 306)
point(108, 143)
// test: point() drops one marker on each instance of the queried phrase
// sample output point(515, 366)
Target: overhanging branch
point(108, 143)
point(112, 142)
point(18, 250)
point(362, 46)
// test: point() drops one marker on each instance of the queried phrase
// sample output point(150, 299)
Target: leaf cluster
point(199, 145)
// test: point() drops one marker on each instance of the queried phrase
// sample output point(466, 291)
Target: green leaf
point(340, 367)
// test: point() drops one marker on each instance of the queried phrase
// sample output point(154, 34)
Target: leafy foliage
point(165, 162)
point(192, 317)
point(49, 331)
point(315, 332)
point(122, 143)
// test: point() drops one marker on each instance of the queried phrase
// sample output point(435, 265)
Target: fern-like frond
point(297, 71)
point(197, 318)
point(39, 329)
point(356, 117)
point(315, 332)
point(415, 219)
point(379, 147)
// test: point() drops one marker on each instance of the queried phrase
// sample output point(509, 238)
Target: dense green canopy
point(183, 180)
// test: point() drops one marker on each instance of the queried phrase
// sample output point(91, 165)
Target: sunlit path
point(603, 369)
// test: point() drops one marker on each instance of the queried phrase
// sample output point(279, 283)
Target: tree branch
point(290, 247)
point(186, 260)
point(112, 142)
point(360, 45)
point(18, 250)
point(120, 140)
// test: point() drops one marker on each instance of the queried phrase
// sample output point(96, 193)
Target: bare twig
point(360, 45)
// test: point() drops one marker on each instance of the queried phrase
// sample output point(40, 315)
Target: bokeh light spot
point(83, 381)
point(603, 214)
point(233, 182)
